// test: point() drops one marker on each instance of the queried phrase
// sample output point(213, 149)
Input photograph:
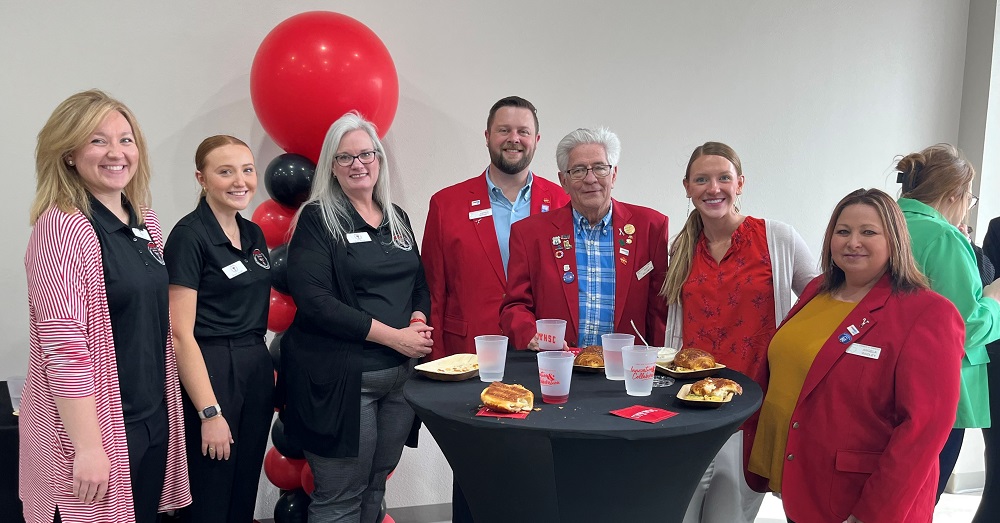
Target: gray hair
point(601, 136)
point(333, 203)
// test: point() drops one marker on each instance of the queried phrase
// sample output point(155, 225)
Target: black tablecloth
point(10, 505)
point(576, 462)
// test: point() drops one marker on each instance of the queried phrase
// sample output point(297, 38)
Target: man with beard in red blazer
point(464, 249)
point(468, 226)
point(598, 263)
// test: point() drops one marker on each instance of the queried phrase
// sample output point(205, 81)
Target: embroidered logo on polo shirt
point(261, 259)
point(155, 251)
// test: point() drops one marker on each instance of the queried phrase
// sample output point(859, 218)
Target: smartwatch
point(210, 412)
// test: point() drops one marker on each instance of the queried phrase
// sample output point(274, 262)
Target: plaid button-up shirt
point(595, 263)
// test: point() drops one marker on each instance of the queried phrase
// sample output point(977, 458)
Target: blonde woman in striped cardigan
point(101, 423)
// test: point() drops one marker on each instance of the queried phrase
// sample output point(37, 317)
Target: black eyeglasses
point(973, 201)
point(346, 160)
point(600, 170)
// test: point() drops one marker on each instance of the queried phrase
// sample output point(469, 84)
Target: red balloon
point(308, 480)
point(314, 67)
point(284, 473)
point(275, 221)
point(281, 312)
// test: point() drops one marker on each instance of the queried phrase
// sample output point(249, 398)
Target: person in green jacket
point(936, 197)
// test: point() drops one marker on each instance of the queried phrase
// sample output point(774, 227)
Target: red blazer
point(535, 286)
point(461, 258)
point(866, 432)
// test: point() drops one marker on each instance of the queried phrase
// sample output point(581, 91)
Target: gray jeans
point(351, 489)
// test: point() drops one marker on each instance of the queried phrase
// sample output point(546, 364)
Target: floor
point(953, 508)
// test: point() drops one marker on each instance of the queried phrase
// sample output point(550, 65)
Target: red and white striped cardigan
point(72, 355)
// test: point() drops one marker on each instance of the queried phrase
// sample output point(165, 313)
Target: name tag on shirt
point(358, 237)
point(475, 215)
point(646, 269)
point(234, 269)
point(865, 351)
point(141, 233)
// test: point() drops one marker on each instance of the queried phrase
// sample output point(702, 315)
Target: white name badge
point(475, 215)
point(234, 269)
point(358, 237)
point(646, 269)
point(865, 351)
point(141, 233)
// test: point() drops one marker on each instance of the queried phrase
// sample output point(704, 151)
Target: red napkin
point(647, 414)
point(483, 411)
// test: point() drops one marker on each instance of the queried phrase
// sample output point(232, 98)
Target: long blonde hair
point(683, 246)
point(67, 129)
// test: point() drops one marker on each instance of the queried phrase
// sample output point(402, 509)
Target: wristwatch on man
point(210, 412)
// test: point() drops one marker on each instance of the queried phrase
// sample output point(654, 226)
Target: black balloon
point(292, 507)
point(279, 268)
point(275, 350)
point(287, 447)
point(288, 179)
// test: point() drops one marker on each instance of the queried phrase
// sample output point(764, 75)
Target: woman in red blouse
point(729, 285)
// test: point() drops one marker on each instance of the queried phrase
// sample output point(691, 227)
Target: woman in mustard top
point(857, 406)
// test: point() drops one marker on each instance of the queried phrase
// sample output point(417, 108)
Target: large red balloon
point(283, 472)
point(275, 221)
point(314, 67)
point(281, 312)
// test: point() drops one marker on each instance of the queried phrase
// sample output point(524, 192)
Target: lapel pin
point(629, 228)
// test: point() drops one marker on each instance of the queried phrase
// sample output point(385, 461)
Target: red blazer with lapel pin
point(461, 257)
point(875, 410)
point(536, 288)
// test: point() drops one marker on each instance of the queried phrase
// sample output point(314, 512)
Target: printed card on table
point(647, 414)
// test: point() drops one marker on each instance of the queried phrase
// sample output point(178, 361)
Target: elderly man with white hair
point(598, 263)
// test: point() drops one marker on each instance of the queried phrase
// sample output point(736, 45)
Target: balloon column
point(307, 72)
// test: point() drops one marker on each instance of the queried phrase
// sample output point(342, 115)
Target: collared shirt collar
point(107, 219)
point(917, 206)
point(581, 223)
point(496, 193)
point(214, 228)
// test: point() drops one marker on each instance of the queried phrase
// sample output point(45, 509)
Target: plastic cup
point(491, 351)
point(551, 334)
point(555, 370)
point(15, 384)
point(639, 362)
point(613, 344)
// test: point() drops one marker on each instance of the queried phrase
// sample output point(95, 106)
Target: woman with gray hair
point(356, 277)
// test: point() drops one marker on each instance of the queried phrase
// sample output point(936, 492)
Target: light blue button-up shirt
point(506, 212)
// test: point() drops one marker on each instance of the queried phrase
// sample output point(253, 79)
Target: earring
point(689, 206)
point(70, 163)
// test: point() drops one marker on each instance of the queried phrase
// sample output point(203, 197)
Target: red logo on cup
point(547, 378)
point(643, 373)
point(547, 338)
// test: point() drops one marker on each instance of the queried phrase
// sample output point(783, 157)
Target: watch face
point(210, 412)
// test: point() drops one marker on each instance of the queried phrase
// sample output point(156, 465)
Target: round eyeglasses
point(600, 170)
point(346, 160)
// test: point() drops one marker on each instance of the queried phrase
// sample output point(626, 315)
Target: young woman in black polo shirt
point(219, 291)
point(363, 302)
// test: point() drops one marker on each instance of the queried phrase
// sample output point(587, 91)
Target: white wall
point(817, 97)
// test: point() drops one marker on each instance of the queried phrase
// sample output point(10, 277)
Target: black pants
point(147, 461)
point(989, 507)
point(948, 458)
point(242, 377)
